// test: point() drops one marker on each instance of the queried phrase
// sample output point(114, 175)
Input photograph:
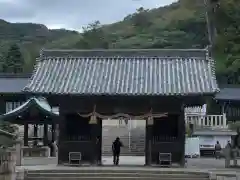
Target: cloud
point(72, 14)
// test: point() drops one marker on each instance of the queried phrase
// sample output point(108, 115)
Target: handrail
point(217, 121)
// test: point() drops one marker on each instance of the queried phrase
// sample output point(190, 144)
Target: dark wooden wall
point(167, 136)
point(77, 135)
point(113, 105)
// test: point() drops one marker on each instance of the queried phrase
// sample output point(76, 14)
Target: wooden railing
point(7, 162)
point(213, 121)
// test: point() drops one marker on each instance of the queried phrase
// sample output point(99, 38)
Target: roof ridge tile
point(124, 53)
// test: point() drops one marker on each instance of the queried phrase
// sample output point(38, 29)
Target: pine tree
point(13, 62)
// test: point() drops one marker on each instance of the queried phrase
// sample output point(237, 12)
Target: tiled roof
point(229, 93)
point(13, 83)
point(123, 72)
point(40, 103)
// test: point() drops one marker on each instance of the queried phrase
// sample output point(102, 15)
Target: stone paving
point(214, 166)
point(198, 163)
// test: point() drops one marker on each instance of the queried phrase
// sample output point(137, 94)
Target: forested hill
point(179, 25)
point(31, 38)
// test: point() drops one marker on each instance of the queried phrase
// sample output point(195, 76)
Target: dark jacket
point(116, 146)
point(218, 147)
point(236, 141)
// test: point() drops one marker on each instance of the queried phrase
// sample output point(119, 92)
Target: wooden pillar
point(182, 135)
point(25, 134)
point(53, 132)
point(35, 134)
point(2, 106)
point(100, 135)
point(45, 135)
point(62, 136)
point(35, 130)
point(148, 141)
point(96, 139)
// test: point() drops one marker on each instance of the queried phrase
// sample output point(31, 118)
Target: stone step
point(114, 174)
point(119, 169)
point(111, 178)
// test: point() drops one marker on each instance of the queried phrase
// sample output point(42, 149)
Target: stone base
point(36, 151)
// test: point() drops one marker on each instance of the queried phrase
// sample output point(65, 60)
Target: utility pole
point(206, 3)
point(210, 6)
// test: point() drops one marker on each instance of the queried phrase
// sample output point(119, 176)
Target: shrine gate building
point(153, 85)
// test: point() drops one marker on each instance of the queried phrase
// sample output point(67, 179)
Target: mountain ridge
point(180, 25)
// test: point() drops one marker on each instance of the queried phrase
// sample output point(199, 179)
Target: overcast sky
point(72, 14)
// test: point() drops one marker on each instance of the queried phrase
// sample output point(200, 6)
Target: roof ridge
point(124, 53)
point(121, 57)
point(104, 50)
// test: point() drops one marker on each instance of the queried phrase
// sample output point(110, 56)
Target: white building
point(209, 137)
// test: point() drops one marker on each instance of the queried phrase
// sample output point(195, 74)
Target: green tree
point(93, 37)
point(140, 19)
point(1, 61)
point(13, 62)
point(227, 17)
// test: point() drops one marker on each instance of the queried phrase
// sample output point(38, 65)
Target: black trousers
point(116, 158)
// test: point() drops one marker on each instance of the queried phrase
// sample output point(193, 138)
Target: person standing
point(116, 149)
point(98, 150)
point(55, 148)
point(228, 154)
point(218, 149)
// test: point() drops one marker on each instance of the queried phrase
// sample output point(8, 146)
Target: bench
point(165, 159)
point(75, 156)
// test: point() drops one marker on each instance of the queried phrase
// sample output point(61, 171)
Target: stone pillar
point(25, 134)
point(19, 153)
point(148, 141)
point(45, 135)
point(20, 174)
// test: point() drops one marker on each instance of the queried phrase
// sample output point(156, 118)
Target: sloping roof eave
point(24, 107)
point(213, 92)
